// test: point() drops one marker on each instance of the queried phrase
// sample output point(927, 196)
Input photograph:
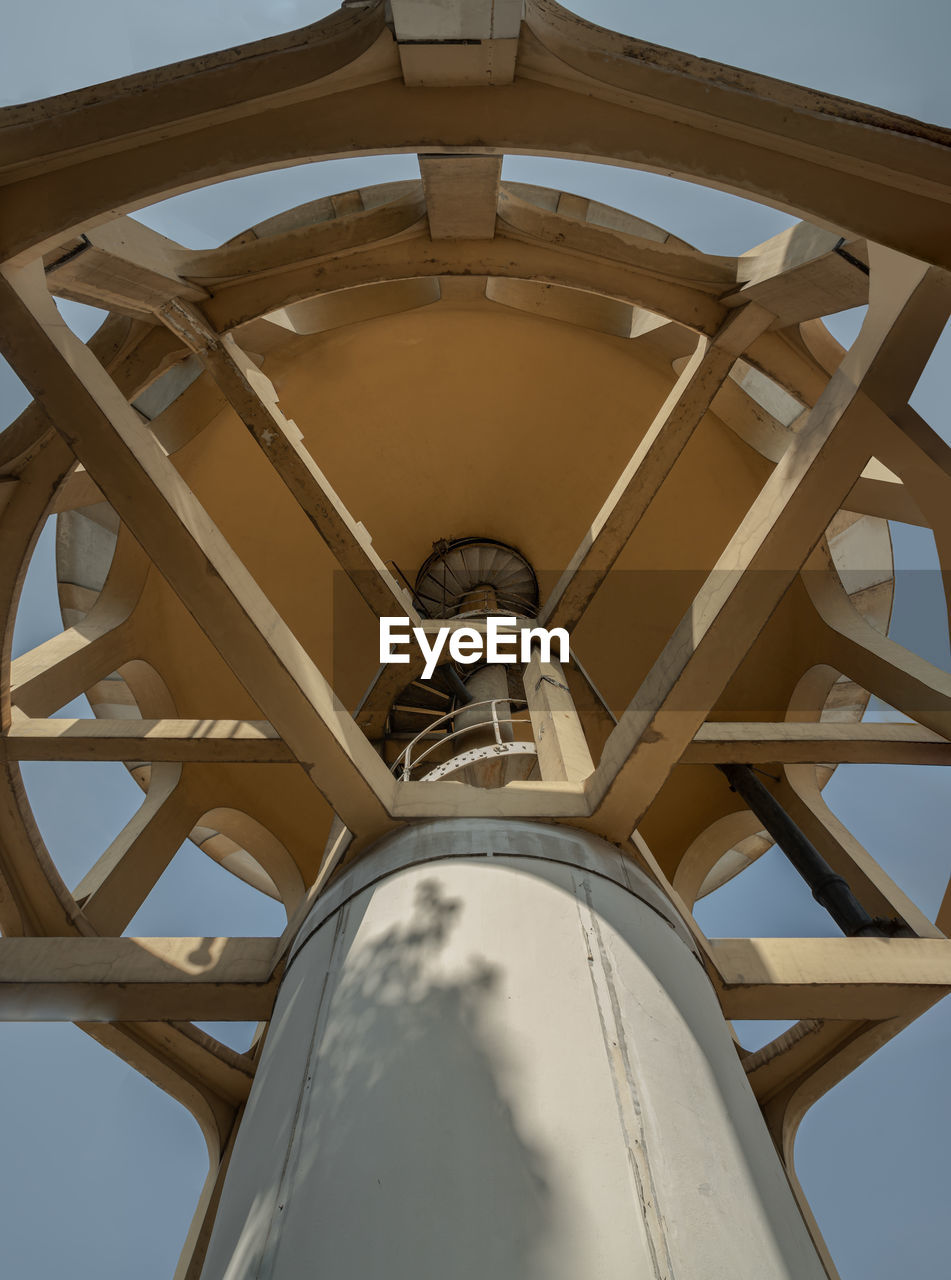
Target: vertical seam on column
point(622, 1078)
point(291, 1156)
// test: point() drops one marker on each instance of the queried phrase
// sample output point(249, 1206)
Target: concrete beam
point(877, 494)
point(943, 918)
point(254, 399)
point(58, 670)
point(651, 463)
point(183, 741)
point(563, 754)
point(504, 257)
point(136, 979)
point(462, 195)
point(457, 42)
point(318, 236)
point(793, 742)
point(151, 498)
point(121, 266)
point(445, 798)
point(78, 491)
point(840, 978)
point(798, 791)
point(804, 273)
point(117, 884)
point(907, 313)
point(900, 677)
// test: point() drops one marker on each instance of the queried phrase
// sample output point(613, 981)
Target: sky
point(100, 1165)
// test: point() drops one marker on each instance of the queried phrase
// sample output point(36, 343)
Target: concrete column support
point(495, 1053)
point(563, 754)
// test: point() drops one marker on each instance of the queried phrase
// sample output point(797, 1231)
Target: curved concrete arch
point(641, 106)
point(237, 302)
point(717, 844)
point(34, 897)
point(245, 847)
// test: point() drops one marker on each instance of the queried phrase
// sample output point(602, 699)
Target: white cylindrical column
point(489, 682)
point(495, 1056)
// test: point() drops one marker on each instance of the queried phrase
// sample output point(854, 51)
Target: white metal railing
point(462, 604)
point(495, 722)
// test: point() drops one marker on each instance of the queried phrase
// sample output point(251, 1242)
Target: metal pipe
point(462, 694)
point(828, 888)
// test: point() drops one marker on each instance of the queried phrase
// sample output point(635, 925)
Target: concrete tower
point(494, 1040)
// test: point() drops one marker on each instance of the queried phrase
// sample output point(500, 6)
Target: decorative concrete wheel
point(250, 460)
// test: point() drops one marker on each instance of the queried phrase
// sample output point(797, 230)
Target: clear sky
point(101, 1170)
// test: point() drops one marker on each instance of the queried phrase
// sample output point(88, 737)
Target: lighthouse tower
point(623, 505)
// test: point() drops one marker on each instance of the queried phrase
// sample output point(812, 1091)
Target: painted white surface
point(507, 1067)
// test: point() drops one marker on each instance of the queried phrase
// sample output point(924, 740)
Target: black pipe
point(828, 888)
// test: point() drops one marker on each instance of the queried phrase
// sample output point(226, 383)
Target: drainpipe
point(828, 888)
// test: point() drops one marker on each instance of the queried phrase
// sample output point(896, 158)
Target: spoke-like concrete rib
point(168, 521)
point(779, 532)
point(253, 398)
point(651, 463)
